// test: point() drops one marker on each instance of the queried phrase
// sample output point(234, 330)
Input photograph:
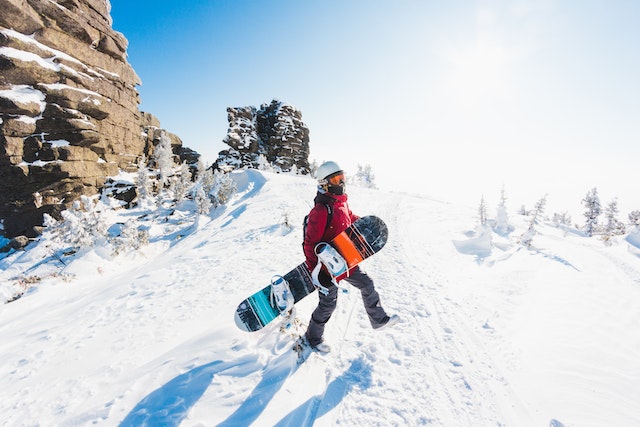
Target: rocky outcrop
point(151, 133)
point(69, 114)
point(274, 133)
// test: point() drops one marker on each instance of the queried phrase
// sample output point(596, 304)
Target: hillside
point(491, 333)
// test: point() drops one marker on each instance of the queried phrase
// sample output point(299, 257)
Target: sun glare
point(478, 71)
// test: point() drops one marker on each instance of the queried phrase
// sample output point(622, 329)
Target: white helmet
point(326, 169)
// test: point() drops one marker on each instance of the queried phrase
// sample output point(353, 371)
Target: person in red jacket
point(329, 217)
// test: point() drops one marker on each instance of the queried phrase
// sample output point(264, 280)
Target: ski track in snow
point(149, 339)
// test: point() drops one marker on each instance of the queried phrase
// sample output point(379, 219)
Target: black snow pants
point(327, 305)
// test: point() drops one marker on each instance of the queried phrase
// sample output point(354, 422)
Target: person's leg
point(321, 315)
point(370, 297)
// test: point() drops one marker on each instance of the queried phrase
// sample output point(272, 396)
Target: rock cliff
point(69, 114)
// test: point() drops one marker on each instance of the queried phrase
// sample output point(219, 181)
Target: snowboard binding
point(335, 264)
point(281, 296)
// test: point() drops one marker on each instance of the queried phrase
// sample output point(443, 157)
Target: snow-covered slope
point(491, 333)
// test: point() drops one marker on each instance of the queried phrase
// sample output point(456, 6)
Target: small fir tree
point(313, 167)
point(613, 226)
point(132, 236)
point(201, 198)
point(364, 177)
point(222, 189)
point(591, 203)
point(202, 188)
point(143, 184)
point(561, 218)
point(181, 182)
point(163, 158)
point(502, 225)
point(527, 237)
point(207, 179)
point(263, 164)
point(201, 167)
point(482, 212)
point(82, 225)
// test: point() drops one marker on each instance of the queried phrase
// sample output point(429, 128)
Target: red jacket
point(341, 218)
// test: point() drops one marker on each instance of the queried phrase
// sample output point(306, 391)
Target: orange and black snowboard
point(361, 240)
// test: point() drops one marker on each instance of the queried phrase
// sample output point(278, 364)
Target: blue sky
point(539, 96)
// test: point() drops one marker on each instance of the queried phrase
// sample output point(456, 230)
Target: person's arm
point(316, 225)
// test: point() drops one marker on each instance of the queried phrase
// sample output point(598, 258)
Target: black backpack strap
point(328, 202)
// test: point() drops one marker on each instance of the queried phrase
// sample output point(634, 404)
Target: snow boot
point(322, 348)
point(390, 322)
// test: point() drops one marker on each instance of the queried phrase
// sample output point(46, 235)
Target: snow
point(59, 143)
point(39, 163)
point(31, 40)
point(27, 57)
point(491, 333)
point(62, 86)
point(51, 63)
point(24, 94)
point(26, 119)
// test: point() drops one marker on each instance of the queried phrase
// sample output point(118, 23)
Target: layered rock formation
point(275, 133)
point(69, 114)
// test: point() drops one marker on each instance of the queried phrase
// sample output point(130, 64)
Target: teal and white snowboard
point(361, 240)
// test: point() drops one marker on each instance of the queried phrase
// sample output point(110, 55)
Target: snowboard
point(359, 241)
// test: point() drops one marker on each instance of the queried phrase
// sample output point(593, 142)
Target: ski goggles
point(336, 179)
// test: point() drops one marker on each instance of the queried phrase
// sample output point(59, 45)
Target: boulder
point(17, 243)
point(69, 108)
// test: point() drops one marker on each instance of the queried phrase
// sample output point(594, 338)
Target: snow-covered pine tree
point(263, 164)
point(482, 212)
point(502, 225)
point(613, 226)
point(143, 185)
point(201, 197)
point(52, 230)
point(634, 218)
point(591, 203)
point(364, 177)
point(527, 237)
point(561, 218)
point(223, 188)
point(181, 183)
point(201, 167)
point(163, 159)
point(202, 188)
point(313, 167)
point(132, 236)
point(81, 226)
point(207, 179)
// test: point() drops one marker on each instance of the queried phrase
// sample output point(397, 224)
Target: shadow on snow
point(170, 404)
point(358, 374)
